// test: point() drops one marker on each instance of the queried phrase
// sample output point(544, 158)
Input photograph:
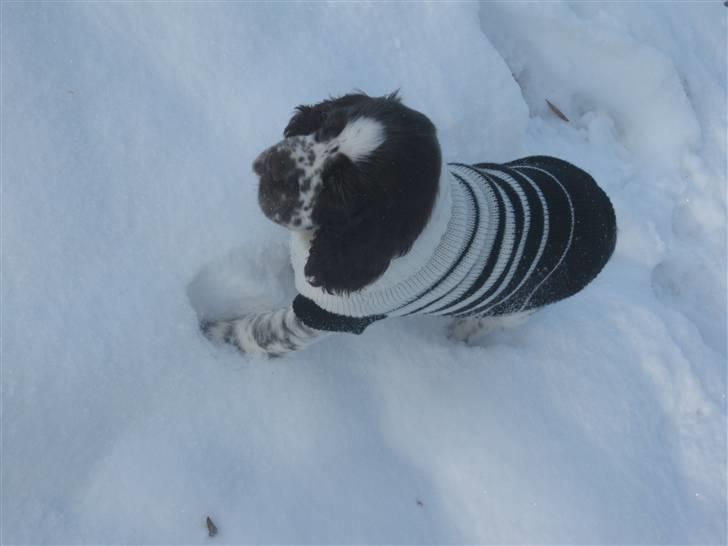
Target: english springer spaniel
point(380, 229)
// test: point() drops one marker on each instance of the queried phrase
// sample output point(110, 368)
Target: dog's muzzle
point(278, 189)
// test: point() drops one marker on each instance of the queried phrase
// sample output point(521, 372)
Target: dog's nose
point(275, 163)
point(259, 163)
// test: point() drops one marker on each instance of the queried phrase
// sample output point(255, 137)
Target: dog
point(381, 228)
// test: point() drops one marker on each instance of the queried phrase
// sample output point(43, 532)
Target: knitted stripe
point(489, 220)
point(535, 237)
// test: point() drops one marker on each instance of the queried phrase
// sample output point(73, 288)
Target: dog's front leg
point(274, 333)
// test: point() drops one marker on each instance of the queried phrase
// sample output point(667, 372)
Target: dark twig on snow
point(556, 111)
point(211, 527)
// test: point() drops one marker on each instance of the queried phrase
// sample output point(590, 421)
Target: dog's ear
point(309, 118)
point(351, 248)
point(344, 261)
point(371, 211)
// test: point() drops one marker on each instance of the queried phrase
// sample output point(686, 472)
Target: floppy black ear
point(364, 225)
point(370, 212)
point(347, 252)
point(348, 257)
point(308, 118)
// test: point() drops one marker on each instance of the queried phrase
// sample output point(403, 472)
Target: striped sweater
point(501, 239)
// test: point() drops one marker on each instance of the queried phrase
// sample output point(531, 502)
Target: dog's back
point(563, 233)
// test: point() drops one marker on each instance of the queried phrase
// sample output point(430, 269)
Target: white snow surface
point(129, 209)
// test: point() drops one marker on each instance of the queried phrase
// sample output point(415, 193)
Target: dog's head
point(361, 173)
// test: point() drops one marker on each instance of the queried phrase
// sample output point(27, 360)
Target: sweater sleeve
point(317, 318)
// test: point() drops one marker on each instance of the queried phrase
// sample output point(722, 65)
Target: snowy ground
point(128, 207)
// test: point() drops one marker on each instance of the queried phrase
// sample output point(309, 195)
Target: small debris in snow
point(556, 111)
point(211, 527)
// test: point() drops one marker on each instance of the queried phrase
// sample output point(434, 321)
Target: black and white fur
point(274, 333)
point(355, 180)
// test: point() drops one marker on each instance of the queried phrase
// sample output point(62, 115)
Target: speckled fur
point(274, 333)
point(306, 157)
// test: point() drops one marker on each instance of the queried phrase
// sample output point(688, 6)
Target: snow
point(129, 208)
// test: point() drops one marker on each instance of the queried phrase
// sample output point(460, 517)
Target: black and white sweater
point(502, 239)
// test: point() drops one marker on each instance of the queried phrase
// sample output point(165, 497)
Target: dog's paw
point(466, 330)
point(472, 329)
point(206, 327)
point(220, 331)
point(233, 333)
